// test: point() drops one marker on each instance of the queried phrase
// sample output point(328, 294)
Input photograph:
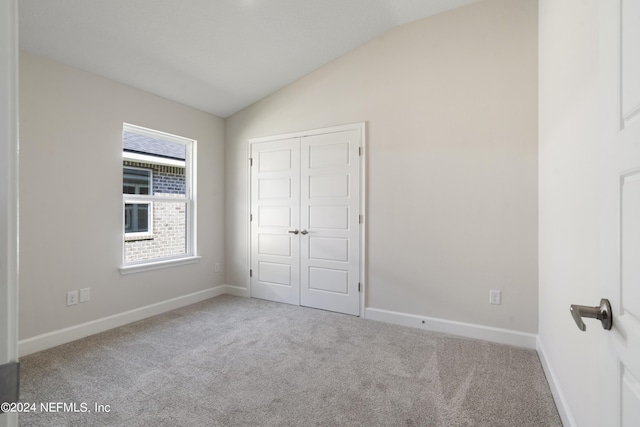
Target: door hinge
point(250, 217)
point(359, 287)
point(359, 151)
point(250, 273)
point(360, 219)
point(250, 161)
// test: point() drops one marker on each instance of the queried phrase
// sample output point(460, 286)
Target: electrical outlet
point(84, 295)
point(495, 297)
point(216, 268)
point(72, 297)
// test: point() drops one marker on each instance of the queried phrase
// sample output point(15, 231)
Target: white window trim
point(189, 198)
point(154, 160)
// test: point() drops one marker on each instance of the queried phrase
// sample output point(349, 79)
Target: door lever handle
point(304, 232)
point(294, 231)
point(601, 312)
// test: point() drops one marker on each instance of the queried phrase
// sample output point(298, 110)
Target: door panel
point(274, 244)
point(328, 186)
point(275, 207)
point(274, 216)
point(630, 233)
point(274, 273)
point(620, 115)
point(330, 280)
point(630, 399)
point(328, 249)
point(330, 206)
point(626, 336)
point(275, 160)
point(328, 155)
point(328, 217)
point(274, 188)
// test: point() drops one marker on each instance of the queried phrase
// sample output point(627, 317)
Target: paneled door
point(329, 217)
point(275, 220)
point(306, 219)
point(620, 209)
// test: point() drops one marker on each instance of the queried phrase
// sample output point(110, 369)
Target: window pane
point(136, 181)
point(169, 233)
point(136, 217)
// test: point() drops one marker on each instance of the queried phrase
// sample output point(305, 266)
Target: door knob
point(294, 231)
point(304, 232)
point(601, 312)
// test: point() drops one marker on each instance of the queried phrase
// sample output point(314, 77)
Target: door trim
point(361, 126)
point(9, 190)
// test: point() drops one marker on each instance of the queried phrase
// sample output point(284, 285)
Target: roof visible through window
point(142, 144)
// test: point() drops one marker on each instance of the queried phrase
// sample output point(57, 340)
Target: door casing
point(9, 194)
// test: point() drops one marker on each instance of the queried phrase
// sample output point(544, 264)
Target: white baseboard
point(487, 333)
point(558, 396)
point(72, 333)
point(237, 291)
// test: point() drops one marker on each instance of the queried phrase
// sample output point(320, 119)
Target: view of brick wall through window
point(168, 232)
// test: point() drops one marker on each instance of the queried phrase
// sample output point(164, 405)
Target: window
point(159, 204)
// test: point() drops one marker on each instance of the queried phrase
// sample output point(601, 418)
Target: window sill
point(155, 265)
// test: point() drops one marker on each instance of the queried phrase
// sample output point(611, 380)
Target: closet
point(306, 218)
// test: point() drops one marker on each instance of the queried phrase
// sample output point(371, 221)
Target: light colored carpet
point(232, 361)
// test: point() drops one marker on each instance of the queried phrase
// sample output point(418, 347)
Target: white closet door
point(275, 209)
point(329, 221)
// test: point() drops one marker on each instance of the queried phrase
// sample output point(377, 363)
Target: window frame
point(189, 198)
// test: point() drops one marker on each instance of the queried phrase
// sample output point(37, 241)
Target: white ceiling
point(215, 55)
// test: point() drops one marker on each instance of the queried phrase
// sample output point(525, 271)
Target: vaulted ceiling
point(215, 55)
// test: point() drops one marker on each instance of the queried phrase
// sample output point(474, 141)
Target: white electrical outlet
point(84, 295)
point(216, 268)
point(72, 297)
point(495, 297)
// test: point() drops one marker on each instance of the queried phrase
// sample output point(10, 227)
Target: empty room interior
point(320, 213)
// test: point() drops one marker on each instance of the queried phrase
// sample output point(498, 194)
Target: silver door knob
point(601, 312)
point(304, 232)
point(294, 231)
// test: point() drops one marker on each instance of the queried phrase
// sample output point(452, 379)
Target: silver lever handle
point(294, 231)
point(601, 312)
point(304, 232)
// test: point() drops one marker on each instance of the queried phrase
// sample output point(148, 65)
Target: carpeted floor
point(232, 361)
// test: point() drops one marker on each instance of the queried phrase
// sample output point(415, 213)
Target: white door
point(330, 197)
point(620, 222)
point(275, 220)
point(305, 219)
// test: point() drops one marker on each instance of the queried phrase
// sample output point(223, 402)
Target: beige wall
point(71, 196)
point(568, 183)
point(451, 109)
